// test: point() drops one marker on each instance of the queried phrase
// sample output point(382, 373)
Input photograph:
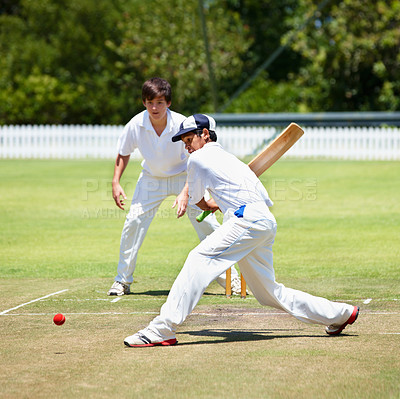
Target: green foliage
point(267, 21)
point(267, 95)
point(352, 55)
point(56, 67)
point(85, 61)
point(165, 38)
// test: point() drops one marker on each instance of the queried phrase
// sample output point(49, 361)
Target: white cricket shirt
point(230, 182)
point(162, 157)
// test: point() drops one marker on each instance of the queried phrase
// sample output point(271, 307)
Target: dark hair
point(156, 87)
point(213, 135)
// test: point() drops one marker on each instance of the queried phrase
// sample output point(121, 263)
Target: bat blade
point(281, 144)
point(266, 158)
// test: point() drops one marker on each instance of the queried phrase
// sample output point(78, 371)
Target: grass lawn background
point(338, 237)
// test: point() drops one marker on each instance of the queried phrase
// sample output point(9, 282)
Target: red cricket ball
point(59, 319)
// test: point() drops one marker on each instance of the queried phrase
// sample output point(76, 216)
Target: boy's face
point(157, 107)
point(193, 142)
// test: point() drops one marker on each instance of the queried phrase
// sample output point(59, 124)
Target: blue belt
point(239, 212)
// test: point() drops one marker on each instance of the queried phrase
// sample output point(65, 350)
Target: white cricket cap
point(195, 122)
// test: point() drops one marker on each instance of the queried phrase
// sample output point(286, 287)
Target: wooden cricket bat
point(266, 158)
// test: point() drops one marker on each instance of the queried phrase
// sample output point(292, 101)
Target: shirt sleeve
point(196, 181)
point(127, 141)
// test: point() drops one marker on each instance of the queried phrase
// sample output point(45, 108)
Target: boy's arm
point(182, 201)
point(183, 198)
point(117, 191)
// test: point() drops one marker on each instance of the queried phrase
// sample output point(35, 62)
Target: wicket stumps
point(228, 285)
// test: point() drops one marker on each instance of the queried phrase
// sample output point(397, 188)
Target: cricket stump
point(228, 285)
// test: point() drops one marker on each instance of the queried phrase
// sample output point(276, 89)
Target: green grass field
point(338, 237)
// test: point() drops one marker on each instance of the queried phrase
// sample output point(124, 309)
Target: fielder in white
point(164, 174)
point(245, 237)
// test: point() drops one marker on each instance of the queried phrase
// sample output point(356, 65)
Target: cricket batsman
point(245, 237)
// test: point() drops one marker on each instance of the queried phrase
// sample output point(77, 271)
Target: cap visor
point(178, 136)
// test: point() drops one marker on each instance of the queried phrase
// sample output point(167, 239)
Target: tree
point(54, 64)
point(85, 62)
point(352, 53)
point(347, 60)
point(165, 39)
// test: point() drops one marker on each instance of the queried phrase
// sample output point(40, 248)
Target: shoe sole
point(351, 320)
point(118, 294)
point(168, 342)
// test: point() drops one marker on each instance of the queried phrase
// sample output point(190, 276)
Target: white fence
point(76, 141)
point(58, 141)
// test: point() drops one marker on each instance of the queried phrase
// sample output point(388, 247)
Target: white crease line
point(81, 313)
point(365, 313)
point(225, 314)
point(240, 314)
point(379, 313)
point(35, 300)
point(250, 298)
point(365, 301)
point(102, 299)
point(156, 313)
point(390, 333)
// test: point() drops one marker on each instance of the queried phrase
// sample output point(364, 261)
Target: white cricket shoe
point(236, 287)
point(119, 289)
point(336, 330)
point(147, 337)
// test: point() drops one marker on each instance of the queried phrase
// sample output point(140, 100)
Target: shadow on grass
point(225, 335)
point(151, 293)
point(166, 292)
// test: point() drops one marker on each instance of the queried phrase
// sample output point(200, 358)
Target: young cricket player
point(163, 174)
point(246, 237)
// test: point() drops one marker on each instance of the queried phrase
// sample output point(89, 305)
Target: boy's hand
point(212, 205)
point(209, 205)
point(118, 192)
point(182, 201)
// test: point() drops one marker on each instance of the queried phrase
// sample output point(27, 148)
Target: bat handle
point(202, 216)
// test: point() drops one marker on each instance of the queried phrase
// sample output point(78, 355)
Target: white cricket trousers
point(150, 192)
point(247, 241)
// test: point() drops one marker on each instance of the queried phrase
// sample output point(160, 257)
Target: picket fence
point(84, 141)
